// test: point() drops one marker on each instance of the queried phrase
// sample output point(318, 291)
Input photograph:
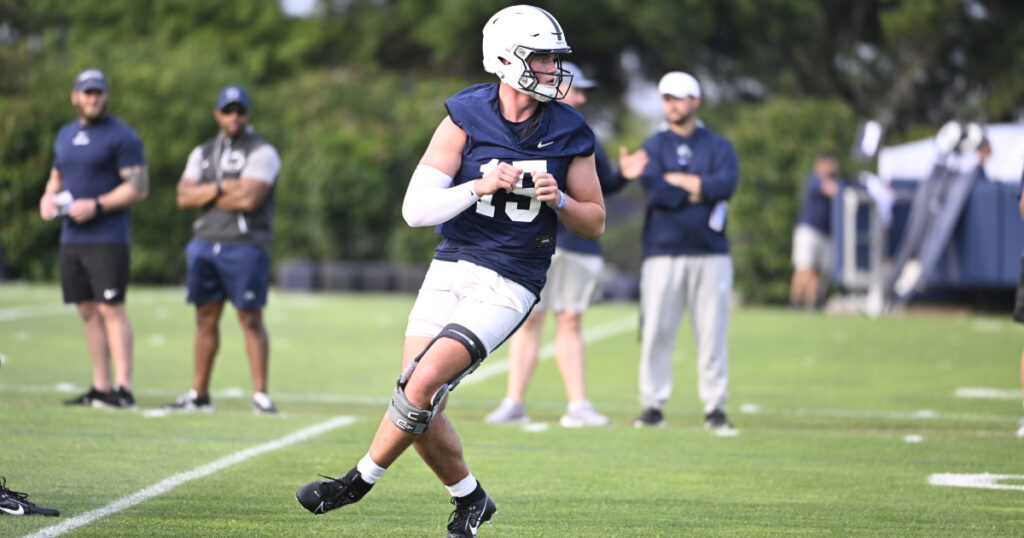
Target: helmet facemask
point(529, 79)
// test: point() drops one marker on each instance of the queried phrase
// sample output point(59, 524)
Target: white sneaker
point(262, 404)
point(509, 412)
point(1020, 431)
point(582, 414)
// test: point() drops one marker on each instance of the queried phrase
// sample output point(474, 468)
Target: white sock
point(370, 471)
point(462, 487)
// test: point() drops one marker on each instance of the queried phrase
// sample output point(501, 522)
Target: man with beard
point(230, 179)
point(98, 171)
point(691, 174)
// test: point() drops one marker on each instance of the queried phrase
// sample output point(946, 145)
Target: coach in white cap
point(691, 174)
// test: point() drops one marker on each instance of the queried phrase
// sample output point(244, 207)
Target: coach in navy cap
point(90, 79)
point(232, 94)
point(230, 181)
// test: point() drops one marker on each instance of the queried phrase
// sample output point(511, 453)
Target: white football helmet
point(515, 33)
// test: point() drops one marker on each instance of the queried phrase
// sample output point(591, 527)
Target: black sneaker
point(468, 516)
point(716, 419)
point(16, 504)
point(650, 418)
point(92, 397)
point(121, 397)
point(325, 495)
point(190, 402)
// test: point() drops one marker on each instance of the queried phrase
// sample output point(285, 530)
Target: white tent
point(914, 160)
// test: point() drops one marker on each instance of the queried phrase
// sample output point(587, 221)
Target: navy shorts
point(239, 272)
point(94, 272)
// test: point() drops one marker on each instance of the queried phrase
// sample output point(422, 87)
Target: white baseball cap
point(578, 80)
point(679, 85)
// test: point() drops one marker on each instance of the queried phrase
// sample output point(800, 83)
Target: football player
point(503, 166)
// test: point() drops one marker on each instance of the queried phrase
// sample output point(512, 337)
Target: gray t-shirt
point(263, 164)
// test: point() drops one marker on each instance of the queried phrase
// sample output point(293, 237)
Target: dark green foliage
point(777, 143)
point(350, 98)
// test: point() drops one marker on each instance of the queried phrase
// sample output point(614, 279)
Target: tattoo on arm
point(137, 177)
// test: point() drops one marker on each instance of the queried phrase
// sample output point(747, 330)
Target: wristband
point(561, 203)
point(99, 206)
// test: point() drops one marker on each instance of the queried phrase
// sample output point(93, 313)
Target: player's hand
point(546, 188)
point(48, 206)
point(631, 165)
point(503, 177)
point(83, 210)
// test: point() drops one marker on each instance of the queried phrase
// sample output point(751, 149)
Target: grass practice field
point(845, 426)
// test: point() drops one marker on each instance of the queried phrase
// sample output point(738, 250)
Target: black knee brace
point(411, 418)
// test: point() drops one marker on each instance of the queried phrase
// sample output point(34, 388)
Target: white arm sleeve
point(431, 199)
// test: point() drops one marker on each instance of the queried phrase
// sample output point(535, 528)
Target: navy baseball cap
point(90, 79)
point(232, 94)
point(578, 79)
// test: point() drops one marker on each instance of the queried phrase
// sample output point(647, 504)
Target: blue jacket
point(673, 225)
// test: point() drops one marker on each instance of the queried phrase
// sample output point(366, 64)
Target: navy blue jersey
point(673, 225)
point(611, 182)
point(1020, 192)
point(817, 208)
point(510, 233)
point(88, 158)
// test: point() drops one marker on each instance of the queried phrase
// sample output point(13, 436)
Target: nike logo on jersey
point(542, 145)
point(20, 511)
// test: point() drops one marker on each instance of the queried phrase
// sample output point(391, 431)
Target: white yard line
point(199, 472)
point(980, 481)
point(607, 330)
point(16, 313)
point(987, 393)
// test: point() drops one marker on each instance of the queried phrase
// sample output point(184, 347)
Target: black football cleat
point(90, 398)
point(325, 495)
point(17, 504)
point(468, 516)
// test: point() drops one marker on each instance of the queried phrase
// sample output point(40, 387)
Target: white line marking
point(535, 427)
point(15, 313)
point(726, 432)
point(988, 393)
point(913, 438)
point(199, 472)
point(979, 481)
point(596, 334)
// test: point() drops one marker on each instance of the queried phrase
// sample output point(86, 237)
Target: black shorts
point(94, 272)
point(1018, 305)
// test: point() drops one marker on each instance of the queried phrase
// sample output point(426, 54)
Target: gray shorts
point(574, 281)
point(811, 249)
